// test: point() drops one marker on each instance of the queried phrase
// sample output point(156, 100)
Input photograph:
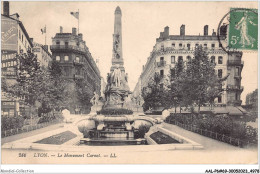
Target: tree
point(201, 84)
point(83, 95)
point(27, 70)
point(156, 94)
point(58, 89)
point(176, 89)
point(38, 87)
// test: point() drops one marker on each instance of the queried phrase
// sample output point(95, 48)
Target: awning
point(234, 111)
point(220, 110)
point(242, 110)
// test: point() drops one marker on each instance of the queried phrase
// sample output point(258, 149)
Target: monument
point(117, 89)
point(115, 123)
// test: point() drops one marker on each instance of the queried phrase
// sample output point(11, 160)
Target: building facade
point(73, 55)
point(15, 40)
point(169, 49)
point(44, 57)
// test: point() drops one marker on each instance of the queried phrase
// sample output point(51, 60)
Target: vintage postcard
point(129, 82)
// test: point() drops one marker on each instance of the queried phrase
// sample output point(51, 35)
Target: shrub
point(120, 111)
point(219, 124)
point(8, 123)
point(143, 129)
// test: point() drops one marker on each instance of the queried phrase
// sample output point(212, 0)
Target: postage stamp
point(243, 29)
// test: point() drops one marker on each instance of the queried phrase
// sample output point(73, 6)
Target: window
point(220, 45)
point(188, 45)
point(219, 73)
point(22, 38)
point(12, 63)
point(161, 58)
point(196, 45)
point(237, 73)
point(58, 58)
point(237, 82)
point(220, 60)
point(212, 45)
point(173, 73)
point(66, 44)
point(77, 59)
point(67, 71)
point(20, 34)
point(66, 58)
point(219, 99)
point(205, 45)
point(188, 59)
point(212, 59)
point(172, 59)
point(237, 96)
point(180, 45)
point(161, 72)
point(57, 42)
point(173, 44)
point(162, 47)
point(180, 59)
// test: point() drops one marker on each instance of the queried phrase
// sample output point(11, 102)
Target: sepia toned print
point(129, 82)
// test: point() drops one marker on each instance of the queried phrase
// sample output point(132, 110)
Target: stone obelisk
point(117, 56)
point(117, 89)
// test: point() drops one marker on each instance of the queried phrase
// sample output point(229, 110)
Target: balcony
point(167, 49)
point(66, 47)
point(78, 77)
point(161, 64)
point(235, 87)
point(235, 63)
point(78, 63)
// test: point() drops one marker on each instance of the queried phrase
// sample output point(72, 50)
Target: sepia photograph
point(114, 82)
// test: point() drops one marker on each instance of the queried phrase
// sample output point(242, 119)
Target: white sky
point(142, 23)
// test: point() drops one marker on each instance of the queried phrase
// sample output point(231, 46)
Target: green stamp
point(243, 29)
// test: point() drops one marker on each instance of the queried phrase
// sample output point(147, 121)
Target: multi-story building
point(169, 49)
point(15, 40)
point(43, 55)
point(73, 55)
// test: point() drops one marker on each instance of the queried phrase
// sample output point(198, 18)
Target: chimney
point(6, 8)
point(166, 32)
point(213, 33)
point(74, 31)
point(223, 30)
point(206, 30)
point(80, 36)
point(161, 34)
point(61, 29)
point(182, 30)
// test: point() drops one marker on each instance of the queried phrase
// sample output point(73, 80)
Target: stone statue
point(95, 99)
point(140, 100)
point(116, 76)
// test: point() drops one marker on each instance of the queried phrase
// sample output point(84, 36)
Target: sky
point(142, 23)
